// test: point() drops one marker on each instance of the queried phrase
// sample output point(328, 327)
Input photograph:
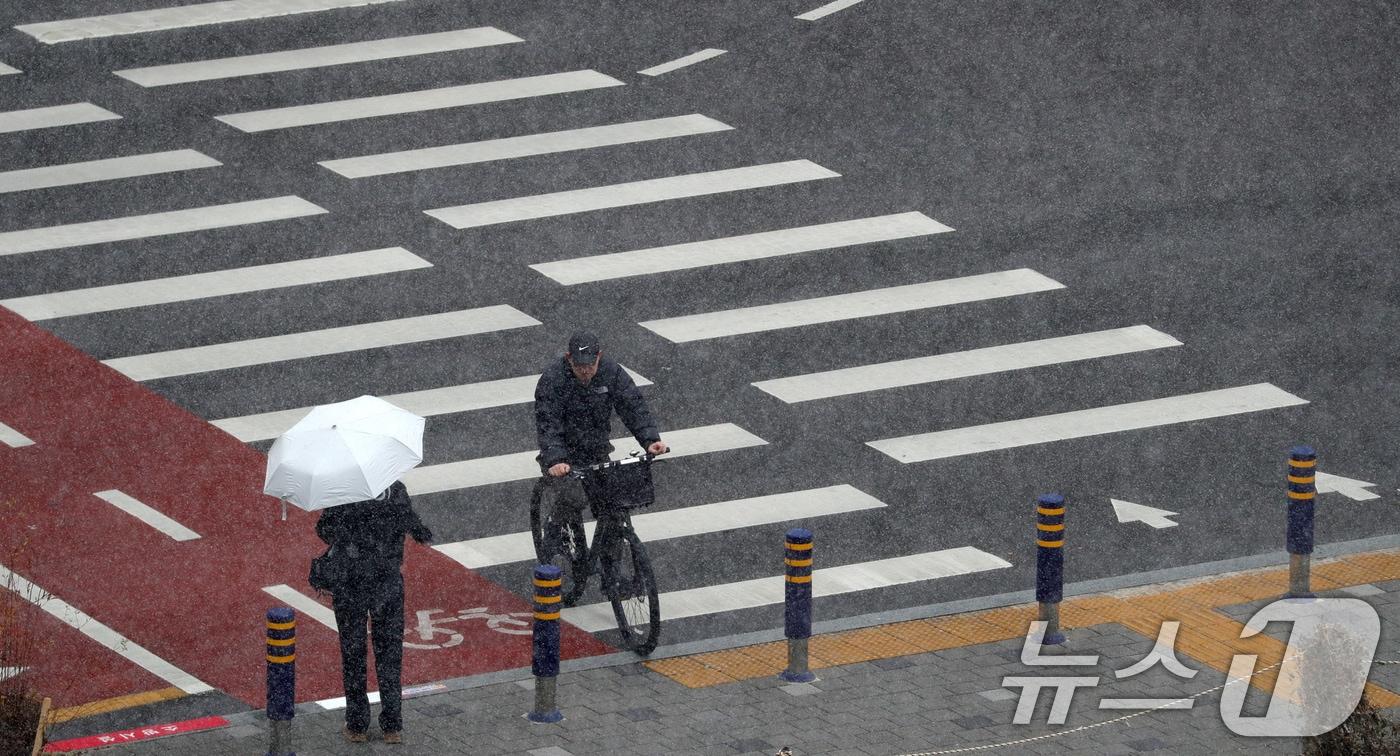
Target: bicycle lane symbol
point(430, 626)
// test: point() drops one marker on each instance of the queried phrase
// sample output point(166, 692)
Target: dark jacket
point(573, 421)
point(375, 528)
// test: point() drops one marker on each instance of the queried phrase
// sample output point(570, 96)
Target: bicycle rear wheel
point(631, 587)
point(559, 541)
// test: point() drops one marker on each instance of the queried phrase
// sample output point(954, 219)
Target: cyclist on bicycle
point(574, 402)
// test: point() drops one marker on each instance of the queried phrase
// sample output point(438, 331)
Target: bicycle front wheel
point(631, 587)
point(559, 541)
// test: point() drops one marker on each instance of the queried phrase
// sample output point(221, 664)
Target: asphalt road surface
point(1129, 252)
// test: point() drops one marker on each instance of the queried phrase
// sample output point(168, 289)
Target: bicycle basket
point(623, 487)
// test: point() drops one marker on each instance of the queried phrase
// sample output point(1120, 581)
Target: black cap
point(584, 348)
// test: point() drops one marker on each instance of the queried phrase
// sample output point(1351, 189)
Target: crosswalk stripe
point(860, 304)
point(214, 284)
point(1184, 408)
point(944, 367)
point(524, 146)
point(303, 604)
point(682, 62)
point(826, 10)
point(787, 241)
point(294, 346)
point(88, 625)
point(414, 102)
point(7, 70)
point(13, 438)
point(147, 514)
point(316, 57)
point(522, 465)
point(426, 403)
point(631, 193)
point(104, 170)
point(178, 17)
point(678, 523)
point(156, 224)
point(829, 581)
point(56, 115)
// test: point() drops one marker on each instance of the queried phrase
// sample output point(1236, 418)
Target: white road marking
point(1349, 487)
point(317, 57)
point(1184, 408)
point(829, 581)
point(156, 224)
point(524, 146)
point(56, 115)
point(415, 102)
point(8, 672)
point(945, 367)
point(295, 346)
point(1127, 511)
point(860, 304)
point(179, 17)
point(630, 193)
point(146, 514)
point(678, 523)
point(522, 465)
point(8, 70)
point(303, 604)
point(89, 626)
point(826, 10)
point(787, 241)
point(426, 403)
point(682, 62)
point(214, 284)
point(13, 438)
point(104, 170)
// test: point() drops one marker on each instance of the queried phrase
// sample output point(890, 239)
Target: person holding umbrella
point(345, 460)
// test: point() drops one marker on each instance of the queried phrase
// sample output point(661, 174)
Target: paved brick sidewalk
point(920, 685)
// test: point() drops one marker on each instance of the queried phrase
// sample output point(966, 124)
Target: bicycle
point(614, 488)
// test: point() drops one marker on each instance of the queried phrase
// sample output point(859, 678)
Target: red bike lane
point(197, 604)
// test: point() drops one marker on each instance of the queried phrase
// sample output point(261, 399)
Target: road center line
point(426, 403)
point(147, 514)
point(787, 241)
point(524, 146)
point(89, 626)
point(630, 193)
point(317, 57)
point(416, 102)
point(860, 304)
point(1089, 422)
point(156, 224)
point(830, 581)
point(53, 116)
point(295, 346)
point(504, 468)
point(104, 170)
point(945, 367)
point(178, 17)
point(826, 10)
point(215, 284)
point(678, 523)
point(682, 62)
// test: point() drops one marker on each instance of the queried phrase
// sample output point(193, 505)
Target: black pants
point(381, 603)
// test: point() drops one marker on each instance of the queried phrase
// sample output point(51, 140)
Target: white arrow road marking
point(1130, 512)
point(1348, 487)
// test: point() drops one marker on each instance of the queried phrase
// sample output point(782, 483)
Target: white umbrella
point(343, 452)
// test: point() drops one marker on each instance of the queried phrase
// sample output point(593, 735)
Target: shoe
point(393, 738)
point(356, 737)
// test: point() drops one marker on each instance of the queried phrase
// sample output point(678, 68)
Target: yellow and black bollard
point(797, 604)
point(545, 664)
point(281, 678)
point(1050, 564)
point(1302, 490)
